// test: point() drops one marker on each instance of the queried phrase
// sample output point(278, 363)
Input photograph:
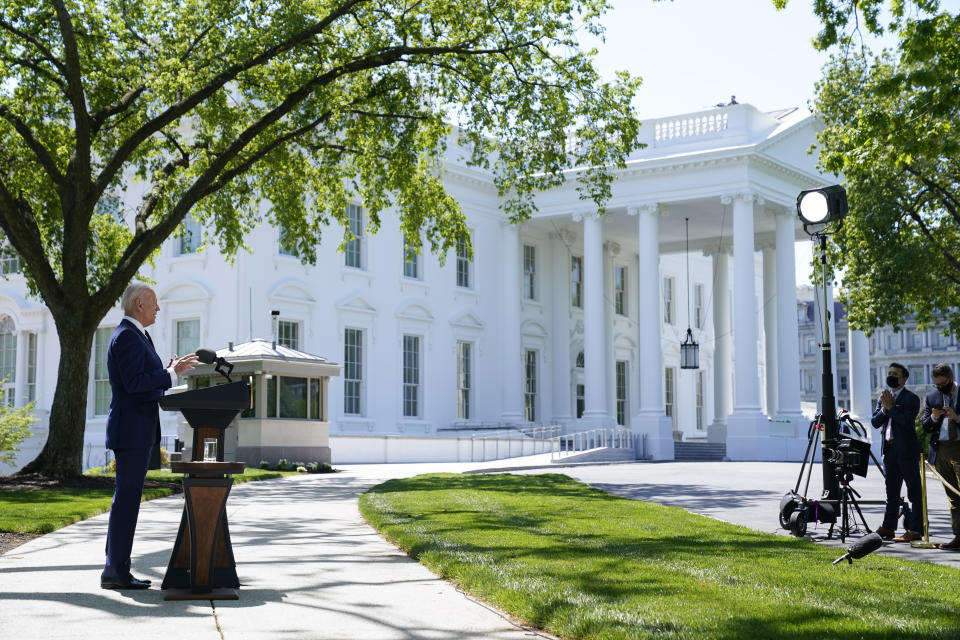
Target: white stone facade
point(734, 172)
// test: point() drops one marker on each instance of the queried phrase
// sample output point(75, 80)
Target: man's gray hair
point(131, 294)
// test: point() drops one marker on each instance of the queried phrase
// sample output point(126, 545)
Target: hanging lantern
point(689, 349)
point(689, 352)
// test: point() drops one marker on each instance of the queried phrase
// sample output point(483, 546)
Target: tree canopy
point(119, 118)
point(892, 130)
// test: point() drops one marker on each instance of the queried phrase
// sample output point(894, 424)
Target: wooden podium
point(202, 566)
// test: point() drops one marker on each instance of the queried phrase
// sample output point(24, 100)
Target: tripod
point(848, 497)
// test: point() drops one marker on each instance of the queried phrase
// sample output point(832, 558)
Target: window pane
point(576, 281)
point(463, 380)
point(352, 370)
point(189, 242)
point(293, 397)
point(530, 386)
point(411, 264)
point(621, 392)
point(315, 413)
point(352, 249)
point(288, 334)
point(288, 244)
point(31, 367)
point(272, 397)
point(529, 272)
point(411, 376)
point(188, 336)
point(463, 265)
point(101, 377)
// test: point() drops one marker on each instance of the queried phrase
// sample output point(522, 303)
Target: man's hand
point(184, 364)
point(886, 399)
point(937, 412)
point(950, 413)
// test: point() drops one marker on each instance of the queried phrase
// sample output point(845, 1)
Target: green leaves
point(218, 107)
point(891, 132)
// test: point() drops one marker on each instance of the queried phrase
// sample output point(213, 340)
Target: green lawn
point(585, 564)
point(45, 510)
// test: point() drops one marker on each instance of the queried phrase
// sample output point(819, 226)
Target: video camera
point(848, 455)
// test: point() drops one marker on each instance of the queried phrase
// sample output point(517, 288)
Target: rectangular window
point(811, 346)
point(841, 346)
point(873, 379)
point(313, 398)
point(463, 265)
point(576, 281)
point(188, 336)
point(620, 290)
point(530, 385)
point(464, 382)
point(192, 236)
point(937, 339)
point(893, 342)
point(698, 306)
point(411, 260)
point(292, 397)
point(916, 340)
point(700, 400)
point(529, 272)
point(9, 260)
point(668, 311)
point(581, 402)
point(669, 395)
point(843, 383)
point(353, 247)
point(101, 377)
point(802, 313)
point(287, 244)
point(31, 367)
point(288, 334)
point(272, 396)
point(621, 392)
point(352, 371)
point(411, 376)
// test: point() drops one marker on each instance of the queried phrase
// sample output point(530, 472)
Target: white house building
point(569, 318)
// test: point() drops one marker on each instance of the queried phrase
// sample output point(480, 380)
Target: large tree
point(892, 130)
point(212, 107)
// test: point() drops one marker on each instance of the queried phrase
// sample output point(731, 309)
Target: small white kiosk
point(288, 417)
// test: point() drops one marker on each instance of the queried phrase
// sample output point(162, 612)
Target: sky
point(693, 54)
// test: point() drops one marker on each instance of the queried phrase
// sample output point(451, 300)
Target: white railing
point(512, 443)
point(613, 438)
point(690, 126)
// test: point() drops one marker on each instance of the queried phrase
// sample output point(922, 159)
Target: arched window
point(8, 359)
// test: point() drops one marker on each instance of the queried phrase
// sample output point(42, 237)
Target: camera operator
point(940, 419)
point(895, 415)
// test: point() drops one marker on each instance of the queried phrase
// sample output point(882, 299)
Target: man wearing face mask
point(940, 419)
point(895, 416)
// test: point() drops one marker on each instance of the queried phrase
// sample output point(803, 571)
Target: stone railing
point(689, 126)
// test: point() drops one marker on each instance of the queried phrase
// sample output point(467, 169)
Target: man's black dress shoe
point(124, 583)
point(953, 545)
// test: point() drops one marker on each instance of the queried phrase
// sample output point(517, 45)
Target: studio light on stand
point(817, 208)
point(689, 349)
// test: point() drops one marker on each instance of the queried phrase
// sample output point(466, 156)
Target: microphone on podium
point(864, 546)
point(209, 356)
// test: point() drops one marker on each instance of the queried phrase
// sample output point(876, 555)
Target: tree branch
point(47, 55)
point(39, 70)
point(102, 115)
point(78, 100)
point(949, 257)
point(43, 155)
point(20, 226)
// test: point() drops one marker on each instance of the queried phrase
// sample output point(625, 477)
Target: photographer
point(895, 416)
point(940, 420)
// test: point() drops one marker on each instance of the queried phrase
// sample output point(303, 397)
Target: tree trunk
point(62, 456)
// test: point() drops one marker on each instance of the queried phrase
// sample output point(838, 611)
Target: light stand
point(816, 209)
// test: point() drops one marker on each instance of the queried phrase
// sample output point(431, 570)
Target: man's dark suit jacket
point(904, 415)
point(935, 399)
point(137, 380)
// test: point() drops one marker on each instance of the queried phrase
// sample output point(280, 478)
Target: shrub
point(312, 467)
point(264, 464)
point(284, 465)
point(14, 428)
point(301, 469)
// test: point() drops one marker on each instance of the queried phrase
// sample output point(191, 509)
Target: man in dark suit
point(137, 381)
point(895, 416)
point(941, 421)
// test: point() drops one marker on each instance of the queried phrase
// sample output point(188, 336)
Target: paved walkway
point(311, 568)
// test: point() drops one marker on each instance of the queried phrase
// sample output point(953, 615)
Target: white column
point(861, 397)
point(747, 427)
point(610, 251)
point(788, 350)
point(650, 419)
point(594, 324)
point(511, 353)
point(722, 364)
point(561, 327)
point(770, 328)
point(20, 375)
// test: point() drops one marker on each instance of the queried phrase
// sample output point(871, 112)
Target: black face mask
point(893, 382)
point(945, 388)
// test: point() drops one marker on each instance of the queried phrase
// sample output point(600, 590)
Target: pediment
point(291, 291)
point(533, 328)
point(414, 311)
point(185, 291)
point(466, 320)
point(356, 303)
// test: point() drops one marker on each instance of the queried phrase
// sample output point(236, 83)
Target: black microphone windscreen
point(206, 356)
point(865, 545)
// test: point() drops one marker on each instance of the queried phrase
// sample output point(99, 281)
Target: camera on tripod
point(849, 456)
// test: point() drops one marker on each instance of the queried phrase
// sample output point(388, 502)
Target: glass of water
point(209, 449)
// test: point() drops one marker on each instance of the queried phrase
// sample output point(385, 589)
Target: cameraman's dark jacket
point(906, 406)
point(935, 399)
